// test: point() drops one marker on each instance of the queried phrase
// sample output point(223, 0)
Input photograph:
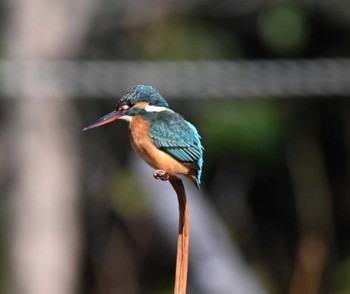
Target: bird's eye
point(126, 106)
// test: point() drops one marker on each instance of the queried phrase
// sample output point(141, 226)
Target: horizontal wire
point(180, 79)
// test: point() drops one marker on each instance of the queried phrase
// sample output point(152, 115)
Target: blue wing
point(174, 135)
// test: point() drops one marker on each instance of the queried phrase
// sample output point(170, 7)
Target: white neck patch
point(126, 117)
point(153, 108)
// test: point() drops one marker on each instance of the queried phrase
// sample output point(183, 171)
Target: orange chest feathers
point(141, 141)
point(143, 145)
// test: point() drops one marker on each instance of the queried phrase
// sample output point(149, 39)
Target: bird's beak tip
point(114, 115)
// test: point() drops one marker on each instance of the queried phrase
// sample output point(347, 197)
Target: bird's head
point(139, 99)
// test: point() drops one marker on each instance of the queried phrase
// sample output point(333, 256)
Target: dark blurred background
point(267, 85)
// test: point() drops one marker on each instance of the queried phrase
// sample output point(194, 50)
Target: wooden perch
point(183, 238)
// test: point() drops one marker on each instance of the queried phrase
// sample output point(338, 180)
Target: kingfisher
point(162, 138)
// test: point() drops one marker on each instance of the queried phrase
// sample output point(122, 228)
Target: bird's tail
point(194, 179)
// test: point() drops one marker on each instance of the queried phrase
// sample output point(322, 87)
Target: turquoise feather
point(174, 135)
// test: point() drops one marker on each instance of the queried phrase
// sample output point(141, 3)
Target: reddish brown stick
point(183, 238)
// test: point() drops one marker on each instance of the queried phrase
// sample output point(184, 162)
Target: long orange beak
point(106, 119)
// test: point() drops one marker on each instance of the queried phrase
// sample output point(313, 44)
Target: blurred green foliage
point(126, 197)
point(253, 127)
point(179, 39)
point(284, 28)
point(341, 278)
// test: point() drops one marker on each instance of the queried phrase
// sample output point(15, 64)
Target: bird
point(159, 135)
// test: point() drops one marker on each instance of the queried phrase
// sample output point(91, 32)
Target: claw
point(160, 174)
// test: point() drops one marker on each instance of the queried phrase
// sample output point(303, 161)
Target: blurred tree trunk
point(42, 156)
point(314, 209)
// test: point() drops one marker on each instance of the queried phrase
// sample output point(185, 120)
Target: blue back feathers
point(174, 135)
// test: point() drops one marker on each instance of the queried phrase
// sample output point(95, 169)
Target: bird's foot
point(160, 174)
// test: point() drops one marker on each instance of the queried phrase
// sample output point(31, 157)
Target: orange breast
point(156, 158)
